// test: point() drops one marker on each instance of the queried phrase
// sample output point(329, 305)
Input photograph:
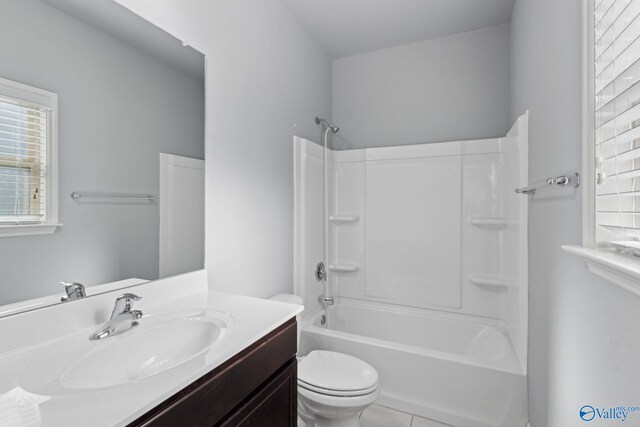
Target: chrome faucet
point(74, 291)
point(122, 317)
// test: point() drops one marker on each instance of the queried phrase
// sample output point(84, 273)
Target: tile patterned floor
point(380, 416)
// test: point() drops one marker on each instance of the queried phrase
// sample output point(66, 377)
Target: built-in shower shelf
point(344, 268)
point(495, 282)
point(344, 218)
point(496, 223)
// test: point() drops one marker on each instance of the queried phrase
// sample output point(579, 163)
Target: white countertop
point(122, 404)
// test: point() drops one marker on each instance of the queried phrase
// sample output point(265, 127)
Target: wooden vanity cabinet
point(257, 387)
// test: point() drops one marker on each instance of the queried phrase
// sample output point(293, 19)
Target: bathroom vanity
point(197, 358)
point(255, 387)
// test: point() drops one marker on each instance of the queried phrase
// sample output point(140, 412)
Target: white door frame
point(169, 163)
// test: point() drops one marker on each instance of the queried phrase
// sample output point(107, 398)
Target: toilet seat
point(337, 393)
point(336, 374)
point(313, 400)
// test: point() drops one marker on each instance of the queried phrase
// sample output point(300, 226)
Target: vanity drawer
point(230, 390)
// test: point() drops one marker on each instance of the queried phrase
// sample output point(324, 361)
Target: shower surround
point(428, 268)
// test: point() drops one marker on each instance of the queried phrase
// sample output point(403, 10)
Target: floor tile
point(423, 422)
point(379, 416)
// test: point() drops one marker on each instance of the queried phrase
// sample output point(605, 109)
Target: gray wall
point(584, 333)
point(443, 89)
point(117, 112)
point(266, 80)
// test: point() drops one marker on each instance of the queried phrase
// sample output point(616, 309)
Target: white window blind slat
point(602, 9)
point(22, 132)
point(628, 18)
point(37, 117)
point(618, 85)
point(627, 98)
point(28, 124)
point(619, 46)
point(27, 174)
point(606, 72)
point(618, 31)
point(606, 14)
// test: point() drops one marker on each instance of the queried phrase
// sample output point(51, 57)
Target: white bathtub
point(462, 373)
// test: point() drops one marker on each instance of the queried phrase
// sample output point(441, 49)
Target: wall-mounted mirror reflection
point(122, 104)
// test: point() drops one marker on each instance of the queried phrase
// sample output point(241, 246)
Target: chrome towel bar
point(562, 181)
point(75, 196)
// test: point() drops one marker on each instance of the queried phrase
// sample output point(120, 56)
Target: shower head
point(334, 129)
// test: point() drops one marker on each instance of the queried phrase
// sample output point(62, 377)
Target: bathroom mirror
point(127, 92)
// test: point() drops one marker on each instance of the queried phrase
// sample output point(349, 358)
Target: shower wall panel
point(412, 226)
point(417, 242)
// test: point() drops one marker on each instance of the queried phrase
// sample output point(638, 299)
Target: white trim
point(588, 179)
point(621, 270)
point(28, 229)
point(47, 99)
point(298, 222)
point(170, 165)
point(52, 163)
point(26, 93)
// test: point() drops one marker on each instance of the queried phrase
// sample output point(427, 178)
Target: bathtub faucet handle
point(321, 272)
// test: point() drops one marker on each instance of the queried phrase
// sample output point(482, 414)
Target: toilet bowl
point(333, 388)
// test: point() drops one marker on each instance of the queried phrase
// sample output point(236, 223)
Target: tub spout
point(325, 300)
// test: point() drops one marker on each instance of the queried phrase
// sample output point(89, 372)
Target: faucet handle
point(128, 296)
point(124, 303)
point(74, 291)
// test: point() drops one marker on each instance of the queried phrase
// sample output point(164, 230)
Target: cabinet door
point(276, 405)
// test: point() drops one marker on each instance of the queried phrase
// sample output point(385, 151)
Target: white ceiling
point(349, 27)
point(120, 22)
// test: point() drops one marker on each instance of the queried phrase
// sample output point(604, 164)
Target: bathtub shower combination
point(427, 268)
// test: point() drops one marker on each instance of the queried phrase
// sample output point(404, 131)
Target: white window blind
point(616, 71)
point(23, 161)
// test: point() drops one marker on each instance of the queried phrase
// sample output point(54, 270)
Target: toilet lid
point(331, 372)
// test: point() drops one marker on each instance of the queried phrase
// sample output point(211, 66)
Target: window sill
point(621, 270)
point(27, 229)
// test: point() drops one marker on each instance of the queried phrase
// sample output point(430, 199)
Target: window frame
point(622, 270)
point(588, 131)
point(49, 100)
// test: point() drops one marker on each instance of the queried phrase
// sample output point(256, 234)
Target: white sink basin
point(159, 343)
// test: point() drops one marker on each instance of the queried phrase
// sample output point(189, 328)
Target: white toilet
point(333, 388)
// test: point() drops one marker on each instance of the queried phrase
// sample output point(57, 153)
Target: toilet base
point(350, 421)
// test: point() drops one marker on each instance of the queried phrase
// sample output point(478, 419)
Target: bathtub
point(454, 371)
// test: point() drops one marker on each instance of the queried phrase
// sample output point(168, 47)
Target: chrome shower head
point(334, 129)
